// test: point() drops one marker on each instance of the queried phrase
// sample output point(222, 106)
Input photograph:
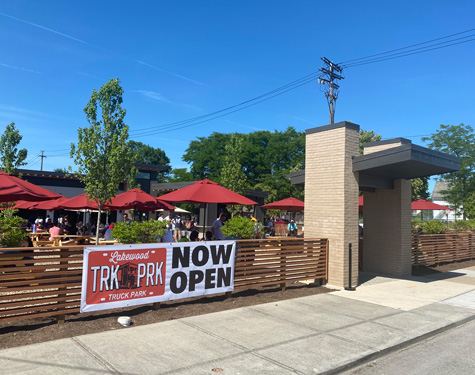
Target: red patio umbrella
point(54, 204)
point(288, 204)
point(422, 204)
point(25, 205)
point(206, 191)
point(80, 202)
point(13, 189)
point(136, 199)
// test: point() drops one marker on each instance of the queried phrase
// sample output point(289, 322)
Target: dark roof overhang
point(297, 177)
point(380, 169)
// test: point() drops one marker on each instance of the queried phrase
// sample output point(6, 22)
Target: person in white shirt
point(216, 227)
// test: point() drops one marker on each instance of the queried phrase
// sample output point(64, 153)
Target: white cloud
point(171, 73)
point(244, 125)
point(20, 68)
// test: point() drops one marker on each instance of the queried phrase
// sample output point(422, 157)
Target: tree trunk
point(98, 223)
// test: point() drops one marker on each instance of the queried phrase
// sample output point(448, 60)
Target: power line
point(195, 121)
point(312, 75)
point(412, 45)
point(413, 51)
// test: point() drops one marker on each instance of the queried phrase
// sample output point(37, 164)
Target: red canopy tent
point(288, 204)
point(136, 199)
point(206, 191)
point(13, 189)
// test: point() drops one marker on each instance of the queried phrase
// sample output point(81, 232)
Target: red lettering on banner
point(123, 275)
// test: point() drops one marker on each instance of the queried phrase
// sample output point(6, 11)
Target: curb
point(394, 348)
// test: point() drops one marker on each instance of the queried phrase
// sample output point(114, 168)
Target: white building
point(438, 197)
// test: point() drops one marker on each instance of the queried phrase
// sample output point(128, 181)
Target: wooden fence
point(45, 281)
point(431, 249)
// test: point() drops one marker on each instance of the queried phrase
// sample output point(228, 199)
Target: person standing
point(216, 227)
point(125, 216)
point(178, 223)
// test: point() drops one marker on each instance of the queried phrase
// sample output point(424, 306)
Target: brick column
point(331, 195)
point(387, 230)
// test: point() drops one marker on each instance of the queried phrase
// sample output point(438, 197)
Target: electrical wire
point(161, 130)
point(164, 126)
point(412, 45)
point(406, 54)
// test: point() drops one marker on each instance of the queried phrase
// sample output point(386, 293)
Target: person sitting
point(292, 228)
point(194, 236)
point(208, 236)
point(108, 233)
point(55, 230)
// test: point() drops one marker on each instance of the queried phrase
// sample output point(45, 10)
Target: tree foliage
point(458, 140)
point(232, 173)
point(145, 154)
point(139, 232)
point(10, 156)
point(367, 136)
point(266, 158)
point(238, 227)
point(180, 174)
point(11, 235)
point(101, 155)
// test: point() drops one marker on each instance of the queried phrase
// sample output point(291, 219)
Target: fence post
point(60, 319)
point(350, 256)
point(283, 285)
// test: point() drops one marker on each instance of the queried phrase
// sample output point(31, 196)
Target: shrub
point(460, 225)
point(139, 232)
point(416, 226)
point(433, 227)
point(238, 227)
point(10, 233)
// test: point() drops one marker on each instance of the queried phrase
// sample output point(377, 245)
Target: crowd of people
point(177, 227)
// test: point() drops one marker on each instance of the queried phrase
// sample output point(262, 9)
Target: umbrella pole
point(206, 219)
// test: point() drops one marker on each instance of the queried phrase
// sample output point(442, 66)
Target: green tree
point(61, 170)
point(267, 157)
point(180, 174)
point(101, 154)
point(367, 136)
point(420, 188)
point(10, 156)
point(232, 174)
point(145, 154)
point(457, 140)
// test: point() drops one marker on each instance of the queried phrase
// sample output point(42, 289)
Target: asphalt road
point(451, 352)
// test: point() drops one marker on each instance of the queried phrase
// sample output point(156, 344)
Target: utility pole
point(330, 87)
point(42, 156)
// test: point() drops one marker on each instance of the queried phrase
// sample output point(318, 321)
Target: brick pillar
point(331, 195)
point(387, 230)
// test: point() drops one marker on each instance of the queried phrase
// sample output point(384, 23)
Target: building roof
point(438, 188)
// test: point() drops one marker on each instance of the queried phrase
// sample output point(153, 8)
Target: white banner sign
point(128, 275)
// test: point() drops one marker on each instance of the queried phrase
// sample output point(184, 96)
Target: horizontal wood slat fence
point(45, 281)
point(431, 249)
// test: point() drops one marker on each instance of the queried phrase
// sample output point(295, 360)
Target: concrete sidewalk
point(320, 334)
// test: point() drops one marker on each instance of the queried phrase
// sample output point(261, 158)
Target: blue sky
point(181, 59)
